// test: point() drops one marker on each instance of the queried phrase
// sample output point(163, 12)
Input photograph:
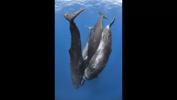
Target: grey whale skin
point(87, 64)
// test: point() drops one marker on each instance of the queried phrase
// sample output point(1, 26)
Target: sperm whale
point(87, 64)
point(75, 52)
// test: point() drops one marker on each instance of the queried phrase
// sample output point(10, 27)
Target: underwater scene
point(88, 49)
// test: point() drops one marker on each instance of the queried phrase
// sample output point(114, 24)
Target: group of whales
point(86, 64)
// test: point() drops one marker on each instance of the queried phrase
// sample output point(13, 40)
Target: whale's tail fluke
point(103, 14)
point(71, 16)
point(113, 20)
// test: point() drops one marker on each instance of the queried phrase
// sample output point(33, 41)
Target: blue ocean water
point(108, 85)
